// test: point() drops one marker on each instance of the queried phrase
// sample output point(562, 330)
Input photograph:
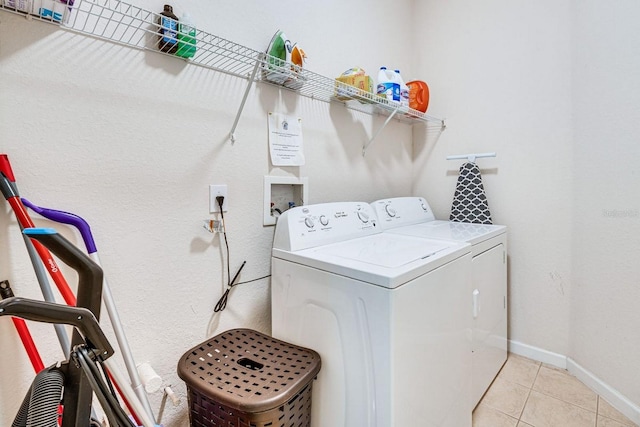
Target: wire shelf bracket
point(386, 122)
point(232, 133)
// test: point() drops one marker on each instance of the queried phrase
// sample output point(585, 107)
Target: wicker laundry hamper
point(242, 378)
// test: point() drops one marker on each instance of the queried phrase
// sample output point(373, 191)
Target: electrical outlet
point(215, 191)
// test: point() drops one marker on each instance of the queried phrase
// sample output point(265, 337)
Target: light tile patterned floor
point(527, 393)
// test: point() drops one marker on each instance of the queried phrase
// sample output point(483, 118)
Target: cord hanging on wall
point(219, 226)
point(222, 302)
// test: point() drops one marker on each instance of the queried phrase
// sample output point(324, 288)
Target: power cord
point(220, 200)
point(222, 302)
point(252, 280)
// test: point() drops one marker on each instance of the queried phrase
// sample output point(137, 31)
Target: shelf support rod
point(386, 122)
point(471, 157)
point(252, 78)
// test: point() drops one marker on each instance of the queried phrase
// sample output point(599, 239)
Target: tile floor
point(527, 393)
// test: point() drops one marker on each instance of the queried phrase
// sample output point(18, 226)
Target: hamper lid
point(247, 370)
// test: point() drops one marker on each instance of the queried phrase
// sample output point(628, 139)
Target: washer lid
point(448, 230)
point(383, 259)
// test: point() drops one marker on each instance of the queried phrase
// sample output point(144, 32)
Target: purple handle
point(66, 218)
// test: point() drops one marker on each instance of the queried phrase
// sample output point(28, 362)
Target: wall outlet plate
point(215, 191)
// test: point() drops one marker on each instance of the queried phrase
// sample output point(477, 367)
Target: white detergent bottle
point(404, 90)
point(388, 87)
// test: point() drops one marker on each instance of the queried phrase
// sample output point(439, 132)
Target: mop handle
point(47, 259)
point(85, 230)
point(66, 218)
point(10, 192)
point(5, 167)
point(90, 287)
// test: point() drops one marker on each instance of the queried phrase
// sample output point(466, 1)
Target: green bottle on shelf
point(186, 37)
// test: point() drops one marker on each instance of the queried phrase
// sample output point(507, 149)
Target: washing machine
point(388, 314)
point(412, 216)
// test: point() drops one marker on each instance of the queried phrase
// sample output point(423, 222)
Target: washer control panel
point(307, 226)
point(401, 211)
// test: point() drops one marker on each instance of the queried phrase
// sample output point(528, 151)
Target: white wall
point(606, 94)
point(130, 140)
point(552, 87)
point(500, 72)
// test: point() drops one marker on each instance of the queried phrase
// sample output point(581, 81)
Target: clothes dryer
point(384, 311)
point(412, 216)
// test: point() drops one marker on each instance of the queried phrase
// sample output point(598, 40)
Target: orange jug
point(418, 95)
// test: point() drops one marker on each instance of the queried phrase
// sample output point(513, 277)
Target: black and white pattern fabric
point(469, 201)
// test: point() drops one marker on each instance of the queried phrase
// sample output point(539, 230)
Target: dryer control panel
point(309, 226)
point(400, 211)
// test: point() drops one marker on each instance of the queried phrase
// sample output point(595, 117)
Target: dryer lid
point(448, 230)
point(384, 250)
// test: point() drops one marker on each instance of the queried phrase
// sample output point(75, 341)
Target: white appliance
point(412, 216)
point(382, 310)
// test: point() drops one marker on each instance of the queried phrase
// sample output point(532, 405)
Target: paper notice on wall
point(285, 140)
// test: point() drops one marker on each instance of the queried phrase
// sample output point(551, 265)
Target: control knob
point(324, 220)
point(308, 221)
point(363, 216)
point(390, 211)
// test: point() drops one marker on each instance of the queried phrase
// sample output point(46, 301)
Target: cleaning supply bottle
point(21, 5)
point(418, 95)
point(387, 86)
point(297, 58)
point(277, 51)
point(168, 30)
point(186, 37)
point(404, 90)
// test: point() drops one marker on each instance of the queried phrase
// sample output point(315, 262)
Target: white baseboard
point(536, 353)
point(611, 395)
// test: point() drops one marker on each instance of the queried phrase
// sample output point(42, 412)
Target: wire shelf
point(129, 25)
point(50, 11)
point(133, 26)
point(313, 85)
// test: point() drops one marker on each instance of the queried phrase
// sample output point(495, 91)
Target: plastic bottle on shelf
point(168, 30)
point(404, 90)
point(387, 85)
point(186, 37)
point(418, 95)
point(21, 5)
